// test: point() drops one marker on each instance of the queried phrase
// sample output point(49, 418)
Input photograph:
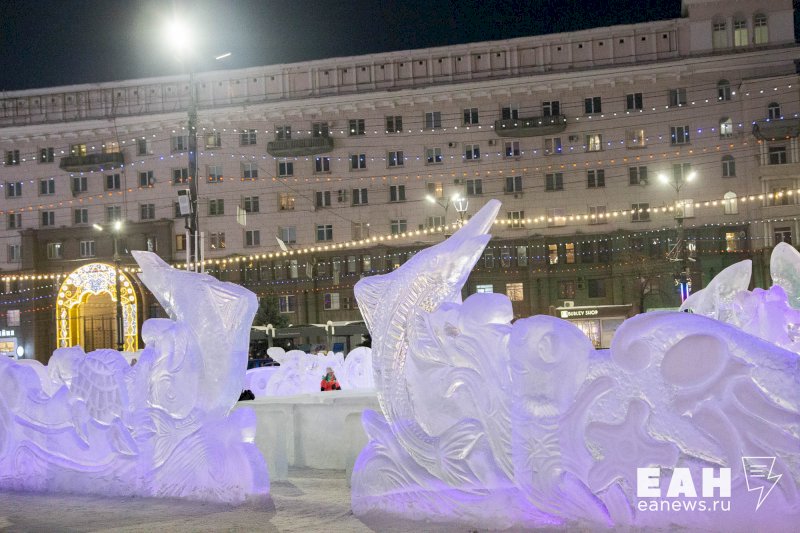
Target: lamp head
point(663, 178)
point(430, 198)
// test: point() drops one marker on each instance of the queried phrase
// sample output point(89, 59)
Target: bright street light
point(178, 37)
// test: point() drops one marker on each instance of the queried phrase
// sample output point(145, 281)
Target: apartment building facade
point(594, 141)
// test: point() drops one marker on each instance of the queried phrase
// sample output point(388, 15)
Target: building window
point(634, 102)
point(14, 253)
point(760, 30)
point(679, 135)
point(783, 234)
point(146, 179)
point(180, 242)
point(46, 155)
point(394, 124)
point(113, 213)
point(252, 237)
point(779, 196)
point(286, 201)
point(251, 204)
point(777, 155)
point(681, 171)
point(516, 219)
point(552, 145)
point(288, 234)
point(435, 222)
point(475, 186)
point(635, 138)
point(433, 120)
point(774, 111)
point(217, 240)
point(522, 256)
point(14, 220)
point(179, 143)
point(551, 108)
point(484, 288)
point(359, 231)
point(397, 193)
point(320, 129)
point(592, 105)
point(398, 226)
point(471, 116)
point(719, 35)
point(730, 203)
point(554, 181)
point(247, 137)
point(569, 253)
point(79, 184)
point(731, 241)
point(594, 142)
point(395, 159)
point(12, 157)
point(55, 250)
point(556, 216)
point(566, 289)
point(513, 184)
point(640, 212)
point(249, 171)
point(77, 149)
point(213, 139)
point(356, 127)
point(472, 152)
point(113, 182)
point(724, 90)
point(435, 189)
point(509, 112)
point(677, 97)
point(330, 301)
point(285, 169)
point(323, 199)
point(283, 133)
point(740, 37)
point(597, 288)
point(596, 178)
point(180, 176)
point(552, 254)
point(433, 156)
point(47, 186)
point(322, 164)
point(287, 303)
point(80, 215)
point(48, 218)
point(87, 249)
point(728, 166)
point(637, 175)
point(216, 207)
point(488, 260)
point(597, 214)
point(512, 149)
point(358, 161)
point(360, 197)
point(324, 232)
point(147, 211)
point(14, 189)
point(514, 292)
point(725, 128)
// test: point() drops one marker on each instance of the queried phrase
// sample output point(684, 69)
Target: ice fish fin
point(455, 446)
point(369, 293)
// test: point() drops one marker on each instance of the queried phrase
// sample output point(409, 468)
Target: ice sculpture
point(499, 425)
point(91, 423)
point(300, 372)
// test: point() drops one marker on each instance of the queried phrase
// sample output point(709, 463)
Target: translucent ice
point(499, 425)
point(91, 423)
point(301, 373)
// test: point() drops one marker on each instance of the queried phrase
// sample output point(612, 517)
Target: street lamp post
point(116, 228)
point(458, 202)
point(680, 251)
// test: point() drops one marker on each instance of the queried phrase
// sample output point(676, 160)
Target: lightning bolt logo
point(760, 468)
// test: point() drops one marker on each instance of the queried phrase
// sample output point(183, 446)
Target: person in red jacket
point(329, 382)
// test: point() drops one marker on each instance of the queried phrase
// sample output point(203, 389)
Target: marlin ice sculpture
point(498, 426)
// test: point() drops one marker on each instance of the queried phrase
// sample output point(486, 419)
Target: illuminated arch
point(94, 279)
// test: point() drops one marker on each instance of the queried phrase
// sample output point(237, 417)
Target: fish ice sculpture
point(91, 423)
point(497, 425)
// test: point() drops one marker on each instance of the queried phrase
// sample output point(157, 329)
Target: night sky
point(60, 42)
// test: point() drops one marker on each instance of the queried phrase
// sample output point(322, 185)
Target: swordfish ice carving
point(500, 425)
point(91, 423)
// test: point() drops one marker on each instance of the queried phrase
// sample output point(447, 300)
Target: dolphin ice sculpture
point(687, 422)
point(90, 423)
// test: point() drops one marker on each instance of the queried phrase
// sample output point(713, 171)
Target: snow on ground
point(310, 501)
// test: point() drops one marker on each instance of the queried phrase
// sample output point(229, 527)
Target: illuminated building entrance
point(86, 309)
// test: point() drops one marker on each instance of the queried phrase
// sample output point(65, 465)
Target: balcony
point(530, 127)
point(772, 130)
point(91, 162)
point(300, 147)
